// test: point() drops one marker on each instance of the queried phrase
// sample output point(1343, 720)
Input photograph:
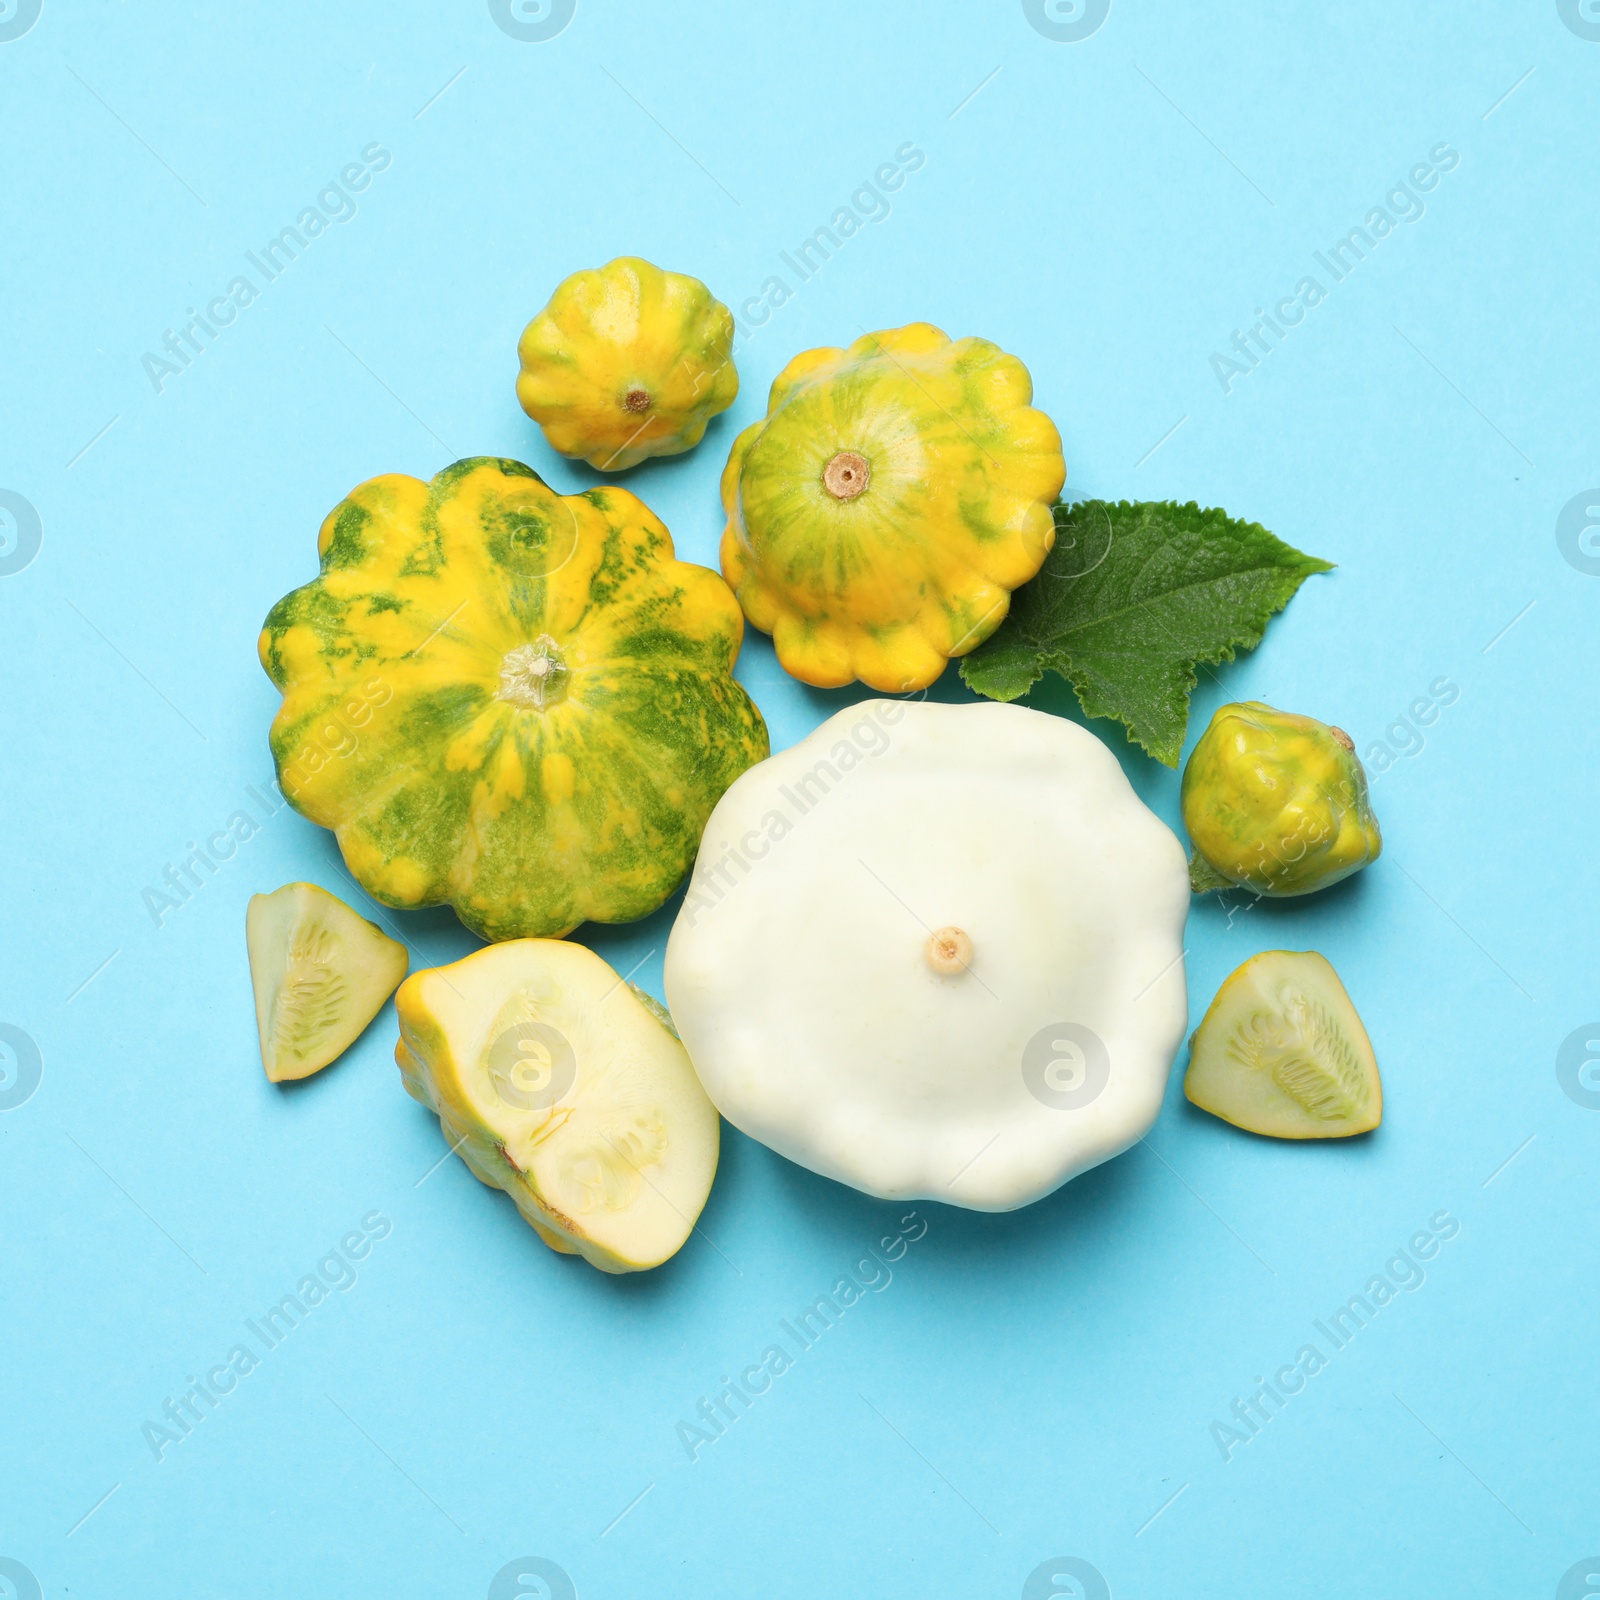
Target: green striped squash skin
point(507, 700)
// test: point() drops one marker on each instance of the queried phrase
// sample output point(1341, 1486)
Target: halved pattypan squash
point(626, 362)
point(560, 1083)
point(883, 510)
point(506, 699)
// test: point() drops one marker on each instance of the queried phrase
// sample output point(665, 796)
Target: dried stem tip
point(1343, 738)
point(846, 475)
point(949, 951)
point(636, 400)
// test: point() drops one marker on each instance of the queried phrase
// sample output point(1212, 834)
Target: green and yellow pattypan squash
point(1276, 803)
point(883, 510)
point(508, 700)
point(627, 362)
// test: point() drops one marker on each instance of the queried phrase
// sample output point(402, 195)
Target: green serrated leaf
point(1134, 596)
point(1005, 668)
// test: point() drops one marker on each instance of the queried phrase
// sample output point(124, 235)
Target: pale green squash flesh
point(321, 973)
point(1282, 1052)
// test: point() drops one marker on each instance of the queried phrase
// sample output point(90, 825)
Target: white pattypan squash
point(935, 952)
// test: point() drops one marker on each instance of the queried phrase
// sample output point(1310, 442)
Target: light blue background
point(1028, 1386)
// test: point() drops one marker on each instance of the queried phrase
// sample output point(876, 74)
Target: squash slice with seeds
point(1282, 1052)
point(561, 1084)
point(321, 973)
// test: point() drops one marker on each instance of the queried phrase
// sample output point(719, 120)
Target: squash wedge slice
point(321, 973)
point(1282, 1052)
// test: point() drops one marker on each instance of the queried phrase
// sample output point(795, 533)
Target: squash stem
point(846, 475)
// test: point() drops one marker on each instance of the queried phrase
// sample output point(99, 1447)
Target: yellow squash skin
point(627, 362)
point(883, 510)
point(508, 700)
point(1276, 803)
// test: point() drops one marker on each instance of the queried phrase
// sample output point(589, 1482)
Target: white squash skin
point(796, 970)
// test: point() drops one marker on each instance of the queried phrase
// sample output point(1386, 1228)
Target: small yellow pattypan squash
point(883, 510)
point(627, 362)
point(509, 700)
point(1276, 803)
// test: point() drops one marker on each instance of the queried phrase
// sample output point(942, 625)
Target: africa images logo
point(1578, 532)
point(1402, 1273)
point(16, 17)
point(1402, 204)
point(334, 203)
point(21, 532)
point(1066, 21)
point(723, 864)
point(532, 22)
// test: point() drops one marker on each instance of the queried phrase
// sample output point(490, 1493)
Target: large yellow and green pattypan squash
point(883, 510)
point(510, 700)
point(627, 361)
